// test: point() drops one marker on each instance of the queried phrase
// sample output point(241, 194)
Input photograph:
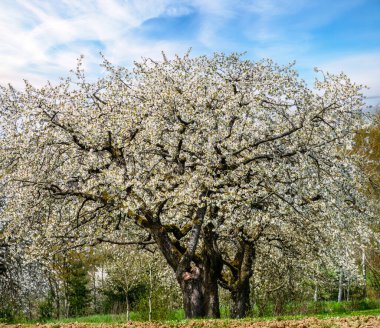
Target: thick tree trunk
point(211, 299)
point(213, 265)
point(193, 293)
point(199, 282)
point(200, 293)
point(196, 273)
point(240, 301)
point(190, 277)
point(238, 283)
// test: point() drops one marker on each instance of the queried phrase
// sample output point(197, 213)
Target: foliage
point(46, 309)
point(367, 145)
point(76, 281)
point(140, 276)
point(227, 166)
point(7, 311)
point(114, 299)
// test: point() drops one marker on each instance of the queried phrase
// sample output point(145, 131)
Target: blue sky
point(40, 40)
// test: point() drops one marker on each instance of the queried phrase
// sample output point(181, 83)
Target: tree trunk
point(340, 290)
point(127, 301)
point(211, 298)
point(193, 293)
point(150, 291)
point(196, 273)
point(190, 276)
point(54, 291)
point(213, 265)
point(240, 305)
point(315, 297)
point(364, 273)
point(200, 293)
point(94, 300)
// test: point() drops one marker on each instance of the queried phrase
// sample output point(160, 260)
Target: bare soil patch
point(347, 322)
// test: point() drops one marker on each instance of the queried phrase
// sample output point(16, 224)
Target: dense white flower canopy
point(248, 142)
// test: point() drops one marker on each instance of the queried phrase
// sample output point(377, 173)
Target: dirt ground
point(358, 321)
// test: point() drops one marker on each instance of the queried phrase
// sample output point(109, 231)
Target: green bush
point(45, 309)
point(7, 313)
point(78, 294)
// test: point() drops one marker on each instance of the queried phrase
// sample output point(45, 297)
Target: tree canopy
point(218, 161)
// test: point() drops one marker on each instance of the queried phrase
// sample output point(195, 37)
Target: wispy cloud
point(41, 40)
point(362, 68)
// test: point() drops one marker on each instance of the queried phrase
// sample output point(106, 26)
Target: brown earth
point(358, 321)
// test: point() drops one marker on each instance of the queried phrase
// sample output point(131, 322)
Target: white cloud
point(178, 9)
point(361, 68)
point(40, 40)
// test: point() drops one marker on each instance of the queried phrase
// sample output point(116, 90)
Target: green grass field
point(179, 317)
point(320, 310)
point(359, 318)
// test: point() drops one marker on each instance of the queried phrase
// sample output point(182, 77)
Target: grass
point(96, 318)
point(322, 310)
point(323, 307)
point(179, 317)
point(174, 316)
point(371, 312)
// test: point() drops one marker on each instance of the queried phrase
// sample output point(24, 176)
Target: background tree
point(138, 281)
point(127, 270)
point(367, 146)
point(76, 283)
